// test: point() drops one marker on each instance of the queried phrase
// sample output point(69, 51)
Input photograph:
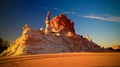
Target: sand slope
point(62, 60)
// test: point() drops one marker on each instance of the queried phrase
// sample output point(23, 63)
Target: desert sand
point(76, 59)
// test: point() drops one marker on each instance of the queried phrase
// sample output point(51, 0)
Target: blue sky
point(98, 18)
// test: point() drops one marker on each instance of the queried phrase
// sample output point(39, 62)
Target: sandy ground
point(62, 60)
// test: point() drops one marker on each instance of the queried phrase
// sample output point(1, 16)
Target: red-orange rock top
point(62, 23)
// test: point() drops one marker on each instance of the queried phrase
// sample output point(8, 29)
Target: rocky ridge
point(59, 36)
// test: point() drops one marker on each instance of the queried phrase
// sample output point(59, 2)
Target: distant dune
point(62, 60)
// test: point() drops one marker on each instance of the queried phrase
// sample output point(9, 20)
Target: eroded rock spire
point(47, 22)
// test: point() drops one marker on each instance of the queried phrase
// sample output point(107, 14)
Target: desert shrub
point(4, 44)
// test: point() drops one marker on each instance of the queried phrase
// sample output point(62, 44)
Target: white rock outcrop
point(59, 36)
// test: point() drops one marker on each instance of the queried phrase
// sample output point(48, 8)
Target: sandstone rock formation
point(88, 38)
point(58, 36)
point(116, 47)
point(59, 24)
point(48, 28)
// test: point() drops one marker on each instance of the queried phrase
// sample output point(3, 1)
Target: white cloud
point(69, 12)
point(57, 9)
point(45, 8)
point(104, 17)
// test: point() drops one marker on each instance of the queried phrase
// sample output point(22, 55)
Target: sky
point(100, 19)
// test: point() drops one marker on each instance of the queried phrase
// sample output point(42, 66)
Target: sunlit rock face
point(59, 24)
point(116, 47)
point(59, 36)
point(62, 23)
